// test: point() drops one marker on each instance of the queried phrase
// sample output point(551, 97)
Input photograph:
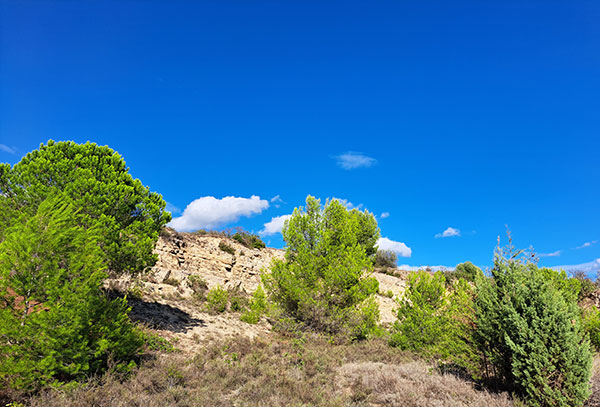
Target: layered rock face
point(181, 255)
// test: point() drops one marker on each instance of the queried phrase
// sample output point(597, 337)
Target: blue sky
point(453, 118)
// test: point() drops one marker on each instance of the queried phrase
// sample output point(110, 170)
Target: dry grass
point(412, 384)
point(297, 371)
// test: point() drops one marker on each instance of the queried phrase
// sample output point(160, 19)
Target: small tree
point(97, 182)
point(324, 280)
point(467, 271)
point(56, 324)
point(530, 333)
point(385, 258)
point(437, 322)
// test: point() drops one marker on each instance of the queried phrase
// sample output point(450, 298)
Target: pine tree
point(97, 182)
point(324, 280)
point(531, 335)
point(56, 324)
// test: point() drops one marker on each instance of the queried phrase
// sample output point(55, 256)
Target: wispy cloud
point(347, 203)
point(210, 212)
point(7, 149)
point(553, 254)
point(589, 268)
point(586, 244)
point(406, 267)
point(172, 208)
point(352, 160)
point(277, 201)
point(384, 215)
point(449, 232)
point(274, 226)
point(399, 248)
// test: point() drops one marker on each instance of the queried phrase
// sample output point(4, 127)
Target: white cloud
point(399, 248)
point(586, 244)
point(588, 268)
point(209, 212)
point(276, 201)
point(553, 254)
point(384, 215)
point(349, 205)
point(448, 233)
point(7, 149)
point(352, 160)
point(406, 267)
point(274, 225)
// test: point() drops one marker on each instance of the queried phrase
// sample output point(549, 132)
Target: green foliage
point(198, 285)
point(436, 321)
point(97, 182)
point(587, 285)
point(258, 306)
point(56, 324)
point(385, 258)
point(467, 271)
point(157, 343)
point(217, 299)
point(249, 240)
point(238, 300)
point(591, 324)
point(530, 333)
point(325, 279)
point(568, 287)
point(226, 248)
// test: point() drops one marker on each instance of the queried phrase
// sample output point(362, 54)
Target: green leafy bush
point(385, 259)
point(591, 324)
point(325, 279)
point(217, 299)
point(56, 323)
point(435, 321)
point(569, 288)
point(530, 333)
point(238, 300)
point(467, 271)
point(97, 182)
point(258, 306)
point(198, 285)
point(226, 248)
point(249, 240)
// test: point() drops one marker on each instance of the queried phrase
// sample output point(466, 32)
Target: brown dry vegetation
point(280, 371)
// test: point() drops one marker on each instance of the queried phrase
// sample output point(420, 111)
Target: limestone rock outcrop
point(183, 254)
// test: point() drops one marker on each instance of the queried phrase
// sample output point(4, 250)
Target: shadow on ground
point(162, 316)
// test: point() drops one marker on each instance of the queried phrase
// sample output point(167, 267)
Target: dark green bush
point(226, 248)
point(530, 333)
point(249, 240)
point(385, 259)
point(467, 271)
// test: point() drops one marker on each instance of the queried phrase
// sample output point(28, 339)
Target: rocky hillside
point(166, 300)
